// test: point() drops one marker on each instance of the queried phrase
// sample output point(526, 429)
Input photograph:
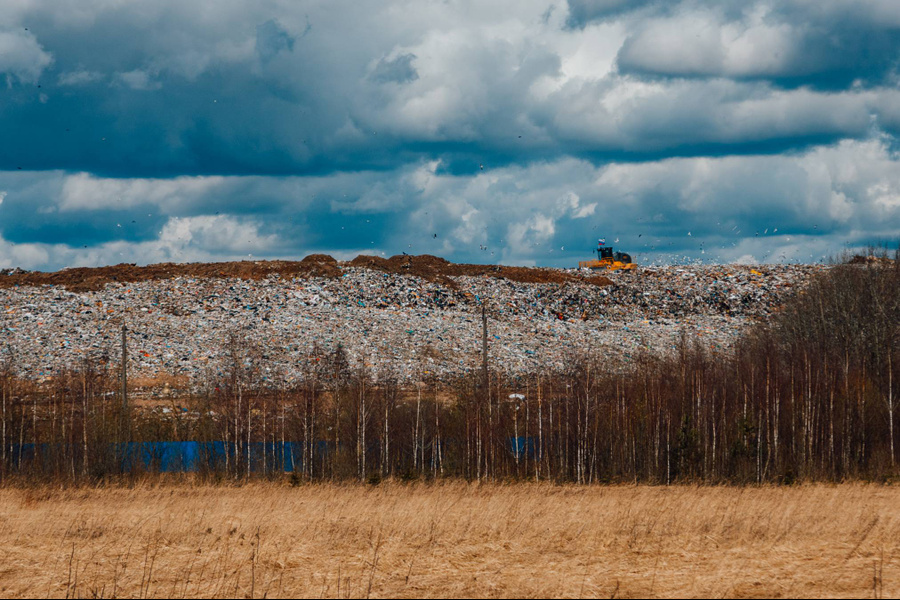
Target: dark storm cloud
point(251, 92)
point(582, 12)
point(196, 130)
point(271, 39)
point(397, 70)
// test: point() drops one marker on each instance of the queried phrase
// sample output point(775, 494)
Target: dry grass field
point(180, 540)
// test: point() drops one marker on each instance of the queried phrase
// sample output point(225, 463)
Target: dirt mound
point(94, 278)
point(320, 265)
point(430, 268)
point(436, 269)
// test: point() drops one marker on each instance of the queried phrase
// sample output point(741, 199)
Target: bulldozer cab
point(604, 252)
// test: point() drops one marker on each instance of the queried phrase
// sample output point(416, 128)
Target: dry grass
point(450, 540)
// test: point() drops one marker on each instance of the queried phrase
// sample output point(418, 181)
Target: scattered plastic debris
point(404, 322)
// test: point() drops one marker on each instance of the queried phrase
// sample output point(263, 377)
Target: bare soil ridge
point(430, 268)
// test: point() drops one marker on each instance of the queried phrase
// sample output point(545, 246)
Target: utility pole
point(125, 420)
point(484, 346)
point(124, 371)
point(489, 455)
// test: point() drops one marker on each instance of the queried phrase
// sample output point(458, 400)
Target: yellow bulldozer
point(607, 260)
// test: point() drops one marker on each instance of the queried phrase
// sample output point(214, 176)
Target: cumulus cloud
point(214, 236)
point(511, 130)
point(825, 44)
point(772, 208)
point(631, 116)
point(21, 56)
point(28, 256)
point(86, 192)
point(699, 44)
point(206, 238)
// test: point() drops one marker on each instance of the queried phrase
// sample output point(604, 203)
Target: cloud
point(27, 256)
point(80, 78)
point(207, 238)
point(21, 56)
point(396, 70)
point(447, 128)
point(769, 207)
point(272, 89)
point(582, 12)
point(139, 80)
point(214, 236)
point(271, 39)
point(85, 192)
point(827, 45)
point(630, 116)
point(699, 44)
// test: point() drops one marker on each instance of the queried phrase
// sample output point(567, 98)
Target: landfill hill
point(406, 316)
point(430, 268)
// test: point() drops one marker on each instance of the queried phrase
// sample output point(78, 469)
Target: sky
point(514, 132)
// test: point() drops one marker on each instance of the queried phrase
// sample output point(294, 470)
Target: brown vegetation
point(451, 540)
point(433, 268)
point(428, 267)
point(94, 278)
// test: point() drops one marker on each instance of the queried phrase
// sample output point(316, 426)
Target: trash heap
point(394, 324)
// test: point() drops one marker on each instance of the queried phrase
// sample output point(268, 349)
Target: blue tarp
point(186, 457)
point(177, 457)
point(522, 447)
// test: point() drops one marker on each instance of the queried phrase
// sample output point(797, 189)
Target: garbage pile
point(392, 323)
